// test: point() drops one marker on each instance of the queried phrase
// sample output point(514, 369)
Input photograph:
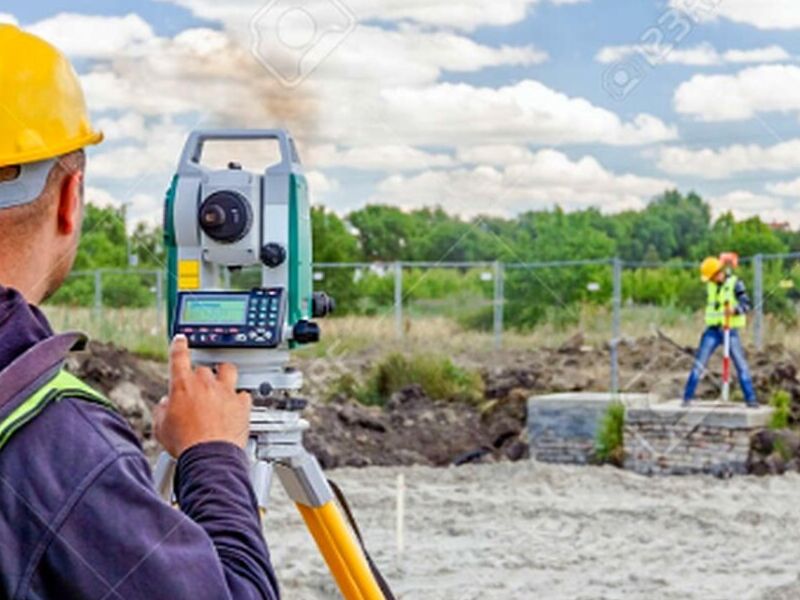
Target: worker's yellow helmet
point(42, 109)
point(710, 267)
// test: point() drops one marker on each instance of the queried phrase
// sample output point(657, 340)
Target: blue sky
point(480, 106)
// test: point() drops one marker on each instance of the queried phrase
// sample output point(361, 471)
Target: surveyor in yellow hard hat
point(726, 298)
point(79, 515)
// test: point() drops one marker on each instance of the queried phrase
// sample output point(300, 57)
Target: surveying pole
point(730, 260)
point(726, 357)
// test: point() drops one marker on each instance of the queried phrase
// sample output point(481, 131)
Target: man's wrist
point(212, 449)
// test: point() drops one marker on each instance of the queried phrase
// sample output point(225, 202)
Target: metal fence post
point(499, 302)
point(616, 334)
point(758, 296)
point(98, 292)
point(398, 299)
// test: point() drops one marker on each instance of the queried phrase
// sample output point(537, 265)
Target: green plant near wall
point(609, 447)
point(781, 402)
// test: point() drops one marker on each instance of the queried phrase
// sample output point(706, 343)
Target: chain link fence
point(541, 303)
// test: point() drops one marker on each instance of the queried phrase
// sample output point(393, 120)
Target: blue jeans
point(712, 338)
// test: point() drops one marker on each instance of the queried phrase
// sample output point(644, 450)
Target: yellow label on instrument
point(188, 274)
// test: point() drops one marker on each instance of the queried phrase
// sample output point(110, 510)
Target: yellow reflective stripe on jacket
point(62, 385)
point(718, 296)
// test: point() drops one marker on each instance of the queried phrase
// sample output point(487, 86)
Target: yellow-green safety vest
point(718, 296)
point(62, 385)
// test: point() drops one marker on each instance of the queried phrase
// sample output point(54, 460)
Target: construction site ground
point(414, 429)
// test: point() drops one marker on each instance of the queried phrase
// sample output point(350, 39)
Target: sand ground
point(528, 530)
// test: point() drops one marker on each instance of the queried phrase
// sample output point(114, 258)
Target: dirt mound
point(411, 429)
point(414, 429)
point(133, 384)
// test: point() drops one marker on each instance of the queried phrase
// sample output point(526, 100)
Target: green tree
point(333, 243)
point(382, 231)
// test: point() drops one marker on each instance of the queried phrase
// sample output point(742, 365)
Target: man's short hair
point(23, 219)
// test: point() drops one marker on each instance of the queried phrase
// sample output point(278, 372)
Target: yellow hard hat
point(42, 109)
point(710, 267)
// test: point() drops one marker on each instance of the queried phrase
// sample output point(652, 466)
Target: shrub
point(481, 319)
point(438, 376)
point(609, 444)
point(781, 402)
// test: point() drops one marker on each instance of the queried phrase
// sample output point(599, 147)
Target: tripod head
point(227, 219)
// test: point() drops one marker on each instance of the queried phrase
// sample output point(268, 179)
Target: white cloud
point(724, 162)
point(320, 185)
point(549, 178)
point(8, 18)
point(141, 208)
point(100, 197)
point(763, 14)
point(157, 156)
point(495, 154)
point(702, 55)
point(410, 56)
point(466, 15)
point(376, 158)
point(130, 126)
point(377, 103)
point(745, 204)
point(785, 188)
point(757, 55)
point(388, 80)
point(462, 114)
point(92, 36)
point(207, 71)
point(741, 96)
point(129, 162)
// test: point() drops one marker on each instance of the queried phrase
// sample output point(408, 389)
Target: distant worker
point(79, 515)
point(726, 300)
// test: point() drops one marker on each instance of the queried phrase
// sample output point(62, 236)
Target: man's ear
point(69, 203)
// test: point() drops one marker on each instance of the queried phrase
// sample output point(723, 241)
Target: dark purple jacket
point(80, 518)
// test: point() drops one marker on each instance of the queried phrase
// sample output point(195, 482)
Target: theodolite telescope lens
point(225, 216)
point(214, 216)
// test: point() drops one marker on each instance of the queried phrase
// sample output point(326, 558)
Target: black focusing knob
point(322, 305)
point(305, 332)
point(273, 255)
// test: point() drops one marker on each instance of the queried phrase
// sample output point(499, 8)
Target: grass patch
point(438, 376)
point(781, 402)
point(609, 446)
point(140, 330)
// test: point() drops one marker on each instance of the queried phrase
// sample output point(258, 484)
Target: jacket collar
point(28, 347)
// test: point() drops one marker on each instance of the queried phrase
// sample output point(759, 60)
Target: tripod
point(276, 447)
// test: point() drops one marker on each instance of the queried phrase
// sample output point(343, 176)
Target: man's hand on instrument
point(201, 406)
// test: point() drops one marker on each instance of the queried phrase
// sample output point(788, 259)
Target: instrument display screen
point(214, 309)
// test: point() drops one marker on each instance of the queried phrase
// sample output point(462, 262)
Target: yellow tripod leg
point(341, 552)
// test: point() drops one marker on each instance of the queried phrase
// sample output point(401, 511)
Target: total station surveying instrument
point(218, 220)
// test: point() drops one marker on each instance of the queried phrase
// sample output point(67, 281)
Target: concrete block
point(717, 415)
point(563, 427)
point(707, 437)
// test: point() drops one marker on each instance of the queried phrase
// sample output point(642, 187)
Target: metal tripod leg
point(276, 446)
point(279, 444)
